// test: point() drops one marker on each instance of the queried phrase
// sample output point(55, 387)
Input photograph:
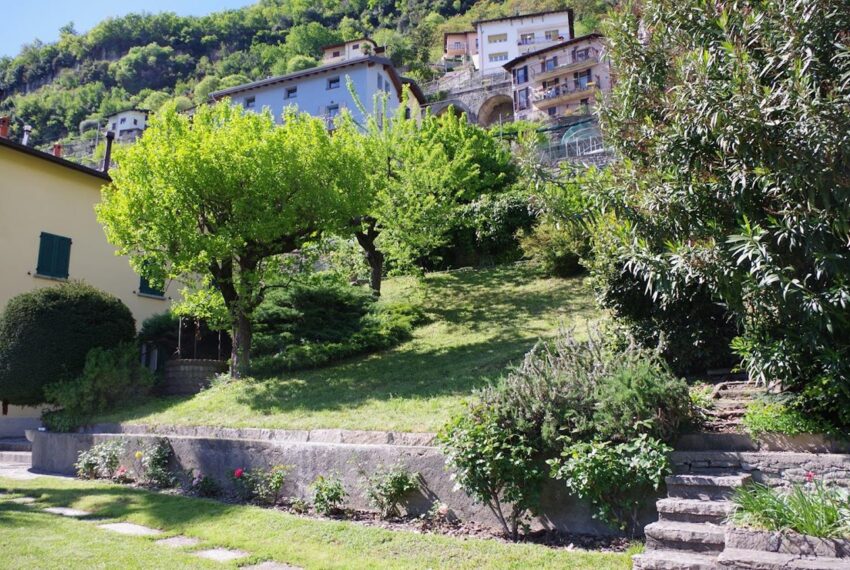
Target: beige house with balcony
point(566, 79)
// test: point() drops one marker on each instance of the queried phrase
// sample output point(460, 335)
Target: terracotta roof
point(557, 46)
point(12, 145)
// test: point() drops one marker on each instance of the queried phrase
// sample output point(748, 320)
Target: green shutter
point(54, 256)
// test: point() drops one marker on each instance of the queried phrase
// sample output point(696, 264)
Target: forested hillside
point(64, 88)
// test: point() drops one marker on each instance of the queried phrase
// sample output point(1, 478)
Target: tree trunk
point(240, 356)
point(374, 257)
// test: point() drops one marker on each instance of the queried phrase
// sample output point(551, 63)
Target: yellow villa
point(49, 234)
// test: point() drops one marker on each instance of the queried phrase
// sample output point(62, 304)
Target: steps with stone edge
point(754, 560)
point(690, 533)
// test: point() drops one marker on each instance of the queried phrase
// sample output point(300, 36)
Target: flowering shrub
point(153, 464)
point(101, 460)
point(260, 486)
point(386, 489)
point(203, 486)
point(328, 494)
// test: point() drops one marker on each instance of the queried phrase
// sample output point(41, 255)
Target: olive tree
point(215, 199)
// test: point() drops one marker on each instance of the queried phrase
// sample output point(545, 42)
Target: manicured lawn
point(32, 539)
point(479, 321)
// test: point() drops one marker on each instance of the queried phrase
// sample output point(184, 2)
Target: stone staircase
point(690, 532)
point(729, 401)
point(15, 450)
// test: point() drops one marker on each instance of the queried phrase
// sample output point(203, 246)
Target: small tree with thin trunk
point(219, 197)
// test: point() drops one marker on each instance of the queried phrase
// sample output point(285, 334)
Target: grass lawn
point(479, 321)
point(32, 539)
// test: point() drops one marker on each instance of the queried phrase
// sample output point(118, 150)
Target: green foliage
point(328, 494)
point(262, 486)
point(766, 417)
point(813, 509)
point(722, 114)
point(557, 250)
point(497, 463)
point(46, 334)
point(615, 477)
point(559, 404)
point(110, 377)
point(100, 460)
point(386, 489)
point(189, 202)
point(322, 320)
point(203, 485)
point(153, 464)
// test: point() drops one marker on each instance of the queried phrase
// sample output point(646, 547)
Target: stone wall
point(777, 469)
point(186, 377)
point(321, 453)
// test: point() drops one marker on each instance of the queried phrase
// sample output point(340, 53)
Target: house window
point(291, 93)
point(552, 111)
point(458, 45)
point(250, 102)
point(145, 288)
point(522, 99)
point(54, 256)
point(123, 120)
point(135, 122)
point(521, 75)
point(497, 38)
point(582, 79)
point(355, 46)
point(114, 126)
point(380, 82)
point(499, 56)
point(549, 64)
point(335, 54)
point(526, 39)
point(552, 35)
point(550, 83)
point(333, 83)
point(332, 111)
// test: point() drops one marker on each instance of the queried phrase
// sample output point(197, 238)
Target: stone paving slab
point(270, 565)
point(66, 512)
point(178, 542)
point(130, 529)
point(24, 500)
point(221, 554)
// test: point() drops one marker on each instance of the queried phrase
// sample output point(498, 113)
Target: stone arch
point(455, 106)
point(496, 108)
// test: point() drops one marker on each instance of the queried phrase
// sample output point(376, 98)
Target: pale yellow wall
point(37, 195)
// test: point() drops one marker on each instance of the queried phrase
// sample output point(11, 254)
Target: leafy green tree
point(734, 127)
point(206, 86)
point(309, 39)
point(218, 198)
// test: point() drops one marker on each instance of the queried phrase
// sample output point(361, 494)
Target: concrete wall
point(219, 456)
point(185, 377)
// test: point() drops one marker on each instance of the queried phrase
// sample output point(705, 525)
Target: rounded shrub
point(46, 334)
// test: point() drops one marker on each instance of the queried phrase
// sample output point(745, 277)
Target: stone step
point(760, 560)
point(675, 560)
point(715, 442)
point(730, 404)
point(683, 536)
point(694, 511)
point(15, 444)
point(705, 487)
point(17, 457)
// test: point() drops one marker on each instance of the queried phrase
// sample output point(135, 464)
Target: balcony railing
point(538, 41)
point(571, 88)
point(578, 57)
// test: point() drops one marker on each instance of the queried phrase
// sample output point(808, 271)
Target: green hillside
point(143, 60)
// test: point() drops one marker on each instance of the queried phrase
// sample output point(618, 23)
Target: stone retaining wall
point(777, 469)
point(186, 377)
point(219, 456)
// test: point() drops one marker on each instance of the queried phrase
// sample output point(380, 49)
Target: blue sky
point(25, 20)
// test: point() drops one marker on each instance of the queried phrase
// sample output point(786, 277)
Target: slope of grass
point(31, 539)
point(479, 321)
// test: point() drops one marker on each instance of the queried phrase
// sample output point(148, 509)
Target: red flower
point(238, 473)
point(810, 476)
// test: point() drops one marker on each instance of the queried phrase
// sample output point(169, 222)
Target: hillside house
point(127, 125)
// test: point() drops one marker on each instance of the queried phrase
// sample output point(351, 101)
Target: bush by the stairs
point(46, 334)
point(593, 409)
point(324, 320)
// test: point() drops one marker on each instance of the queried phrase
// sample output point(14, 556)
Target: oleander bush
point(261, 486)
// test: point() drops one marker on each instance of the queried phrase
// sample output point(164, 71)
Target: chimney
point(57, 150)
point(4, 126)
point(107, 155)
point(27, 131)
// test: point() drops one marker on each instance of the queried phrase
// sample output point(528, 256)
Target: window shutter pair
point(54, 256)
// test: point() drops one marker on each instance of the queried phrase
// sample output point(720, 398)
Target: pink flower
point(810, 476)
point(238, 473)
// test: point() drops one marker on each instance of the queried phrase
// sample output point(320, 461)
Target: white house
point(349, 50)
point(322, 91)
point(500, 40)
point(127, 125)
